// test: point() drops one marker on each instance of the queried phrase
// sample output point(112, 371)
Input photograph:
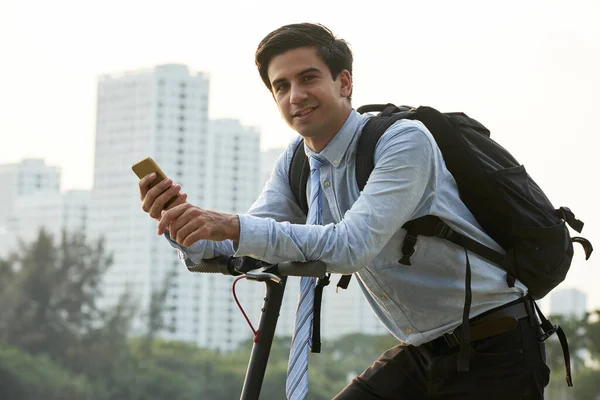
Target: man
point(309, 74)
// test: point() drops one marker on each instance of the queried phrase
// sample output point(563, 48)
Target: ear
point(345, 83)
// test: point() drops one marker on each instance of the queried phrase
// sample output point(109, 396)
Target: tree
point(50, 292)
point(23, 376)
point(154, 316)
point(583, 335)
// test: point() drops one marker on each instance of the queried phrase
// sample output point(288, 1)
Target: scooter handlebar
point(226, 265)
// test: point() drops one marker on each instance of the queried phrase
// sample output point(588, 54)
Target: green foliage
point(583, 335)
point(23, 376)
point(55, 343)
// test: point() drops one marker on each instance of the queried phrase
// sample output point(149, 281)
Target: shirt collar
point(337, 146)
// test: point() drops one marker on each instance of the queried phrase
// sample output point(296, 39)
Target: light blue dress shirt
point(362, 235)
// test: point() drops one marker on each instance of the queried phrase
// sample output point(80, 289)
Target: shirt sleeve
point(404, 165)
point(276, 203)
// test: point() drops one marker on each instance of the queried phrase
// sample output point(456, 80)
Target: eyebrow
point(299, 74)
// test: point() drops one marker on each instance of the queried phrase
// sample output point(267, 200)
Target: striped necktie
point(296, 386)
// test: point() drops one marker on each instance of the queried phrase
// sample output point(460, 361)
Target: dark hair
point(334, 52)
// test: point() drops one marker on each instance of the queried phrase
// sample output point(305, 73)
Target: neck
point(317, 144)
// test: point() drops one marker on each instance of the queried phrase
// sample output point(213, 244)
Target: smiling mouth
point(304, 113)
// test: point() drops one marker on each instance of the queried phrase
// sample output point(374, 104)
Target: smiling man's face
point(310, 100)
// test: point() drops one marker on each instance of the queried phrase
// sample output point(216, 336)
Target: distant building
point(570, 302)
point(234, 166)
point(54, 212)
point(267, 162)
point(24, 178)
point(20, 183)
point(162, 112)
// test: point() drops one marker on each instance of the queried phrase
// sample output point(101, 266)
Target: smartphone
point(147, 166)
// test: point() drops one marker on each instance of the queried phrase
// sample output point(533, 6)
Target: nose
point(297, 94)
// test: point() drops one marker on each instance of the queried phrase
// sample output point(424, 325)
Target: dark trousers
point(511, 365)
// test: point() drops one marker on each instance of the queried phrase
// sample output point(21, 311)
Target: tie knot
point(316, 161)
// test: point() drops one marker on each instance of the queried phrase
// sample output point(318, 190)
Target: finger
point(162, 199)
point(169, 216)
point(144, 184)
point(189, 225)
point(184, 219)
point(153, 194)
point(182, 198)
point(193, 237)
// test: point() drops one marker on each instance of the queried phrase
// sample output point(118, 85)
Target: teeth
point(303, 113)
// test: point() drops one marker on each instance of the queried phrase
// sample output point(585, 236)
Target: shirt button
point(383, 297)
point(408, 331)
point(335, 162)
point(327, 184)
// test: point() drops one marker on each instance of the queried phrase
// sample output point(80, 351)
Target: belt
point(491, 323)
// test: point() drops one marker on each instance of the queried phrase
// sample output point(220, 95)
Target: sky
point(528, 70)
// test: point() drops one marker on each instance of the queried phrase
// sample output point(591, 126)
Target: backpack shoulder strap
point(365, 151)
point(369, 137)
point(298, 176)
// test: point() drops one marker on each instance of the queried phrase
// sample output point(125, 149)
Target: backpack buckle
point(451, 340)
point(443, 231)
point(547, 333)
point(408, 249)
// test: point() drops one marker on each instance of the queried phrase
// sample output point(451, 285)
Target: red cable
point(255, 332)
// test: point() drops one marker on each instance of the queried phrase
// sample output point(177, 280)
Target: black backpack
point(510, 207)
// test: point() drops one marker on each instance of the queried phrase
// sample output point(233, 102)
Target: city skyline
point(527, 71)
point(162, 112)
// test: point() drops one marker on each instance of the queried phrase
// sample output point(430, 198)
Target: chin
point(306, 131)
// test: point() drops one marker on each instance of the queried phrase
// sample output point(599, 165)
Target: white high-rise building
point(162, 112)
point(268, 158)
point(234, 166)
point(54, 212)
point(21, 180)
point(24, 178)
point(569, 302)
point(233, 184)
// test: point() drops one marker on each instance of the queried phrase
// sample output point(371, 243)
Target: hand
point(154, 200)
point(187, 224)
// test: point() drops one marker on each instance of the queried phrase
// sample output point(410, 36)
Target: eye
point(280, 86)
point(307, 78)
